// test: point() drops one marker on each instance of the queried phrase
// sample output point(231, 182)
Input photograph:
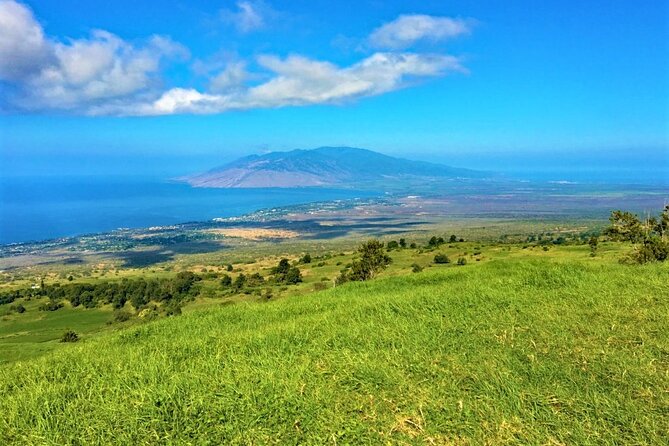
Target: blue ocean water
point(40, 208)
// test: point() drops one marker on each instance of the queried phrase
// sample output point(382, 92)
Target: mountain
point(324, 166)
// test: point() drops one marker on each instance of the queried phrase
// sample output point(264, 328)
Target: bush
point(320, 286)
point(121, 316)
point(18, 308)
point(416, 268)
point(226, 281)
point(306, 258)
point(51, 306)
point(69, 336)
point(173, 309)
point(462, 261)
point(441, 259)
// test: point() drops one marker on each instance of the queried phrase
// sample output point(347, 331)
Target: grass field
point(516, 349)
point(34, 333)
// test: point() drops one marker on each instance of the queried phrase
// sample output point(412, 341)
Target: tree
point(593, 242)
point(240, 282)
point(373, 259)
point(226, 281)
point(403, 243)
point(293, 276)
point(625, 226)
point(282, 268)
point(306, 258)
point(285, 273)
point(228, 268)
point(393, 245)
point(435, 241)
point(649, 238)
point(453, 239)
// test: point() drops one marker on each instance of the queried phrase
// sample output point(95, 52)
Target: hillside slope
point(325, 166)
point(534, 352)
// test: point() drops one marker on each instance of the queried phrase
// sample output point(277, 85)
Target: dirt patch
point(254, 233)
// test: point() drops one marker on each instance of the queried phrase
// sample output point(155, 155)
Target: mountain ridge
point(322, 166)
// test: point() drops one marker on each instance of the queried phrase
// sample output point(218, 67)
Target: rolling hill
point(324, 166)
point(508, 352)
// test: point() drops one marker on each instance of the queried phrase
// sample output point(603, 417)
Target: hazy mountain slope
point(324, 166)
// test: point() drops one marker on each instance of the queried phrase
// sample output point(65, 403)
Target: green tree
point(593, 242)
point(403, 243)
point(293, 276)
point(226, 281)
point(373, 259)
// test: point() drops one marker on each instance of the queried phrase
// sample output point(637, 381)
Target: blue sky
point(179, 86)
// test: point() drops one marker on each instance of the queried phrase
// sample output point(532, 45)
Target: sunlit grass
point(534, 351)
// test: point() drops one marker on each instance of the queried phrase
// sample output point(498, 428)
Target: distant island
point(324, 166)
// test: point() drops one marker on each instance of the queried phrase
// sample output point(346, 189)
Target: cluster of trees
point(650, 236)
point(140, 292)
point(373, 259)
point(435, 241)
point(282, 274)
point(286, 274)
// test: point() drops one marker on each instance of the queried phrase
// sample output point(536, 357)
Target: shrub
point(121, 316)
point(319, 286)
point(441, 259)
point(69, 336)
point(462, 261)
point(306, 258)
point(226, 281)
point(173, 309)
point(416, 268)
point(51, 306)
point(293, 276)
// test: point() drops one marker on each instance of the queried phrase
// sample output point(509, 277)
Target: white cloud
point(409, 29)
point(231, 78)
point(248, 17)
point(75, 74)
point(106, 75)
point(23, 48)
point(298, 80)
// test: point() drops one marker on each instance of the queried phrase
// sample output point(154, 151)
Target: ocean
point(41, 208)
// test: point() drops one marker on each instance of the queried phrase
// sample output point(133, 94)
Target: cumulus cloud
point(409, 29)
point(297, 80)
point(104, 74)
point(231, 78)
point(77, 73)
point(249, 16)
point(23, 47)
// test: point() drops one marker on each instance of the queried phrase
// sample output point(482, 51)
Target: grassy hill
point(511, 351)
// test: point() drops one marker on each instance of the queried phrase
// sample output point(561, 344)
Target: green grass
point(515, 350)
